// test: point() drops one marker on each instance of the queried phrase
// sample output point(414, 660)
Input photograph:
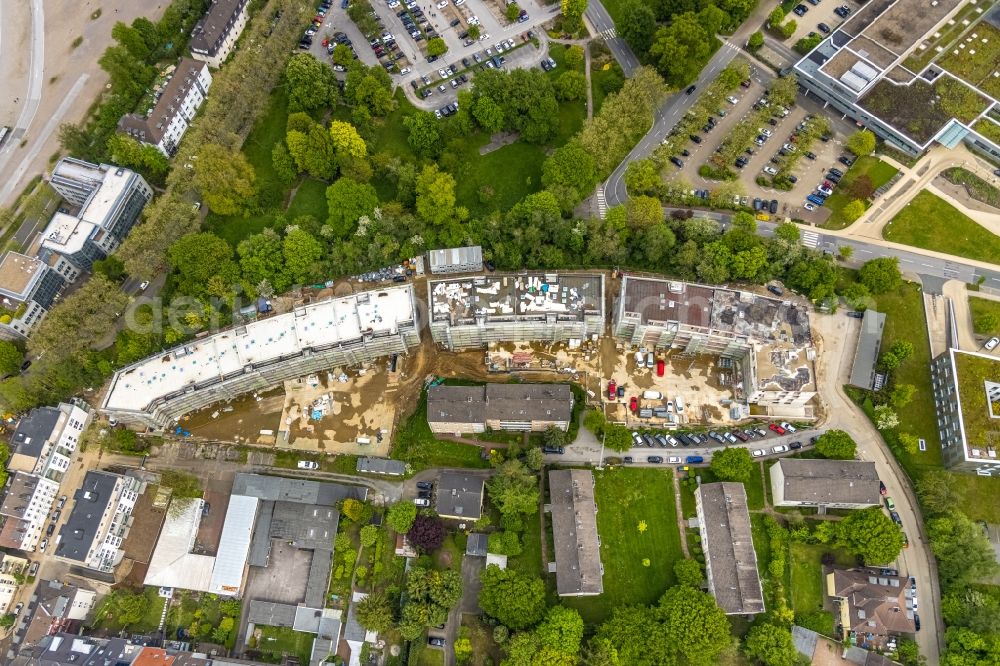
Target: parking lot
point(821, 12)
point(808, 172)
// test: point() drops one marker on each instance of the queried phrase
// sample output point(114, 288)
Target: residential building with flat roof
point(456, 260)
point(873, 605)
point(28, 288)
point(730, 558)
point(460, 496)
point(894, 65)
point(768, 339)
point(93, 534)
point(215, 35)
point(518, 407)
point(176, 105)
point(831, 484)
point(577, 545)
point(966, 389)
point(866, 353)
point(547, 307)
point(158, 390)
point(110, 200)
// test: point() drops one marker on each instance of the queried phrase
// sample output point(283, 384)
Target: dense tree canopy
point(732, 464)
point(836, 444)
point(516, 600)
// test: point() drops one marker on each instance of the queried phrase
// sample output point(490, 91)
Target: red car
point(777, 428)
point(612, 389)
point(633, 403)
point(659, 368)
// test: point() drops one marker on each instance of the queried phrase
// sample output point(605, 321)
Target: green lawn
point(599, 77)
point(904, 309)
point(275, 642)
point(979, 496)
point(932, 223)
point(880, 172)
point(149, 622)
point(980, 307)
point(416, 444)
point(625, 496)
point(309, 199)
point(529, 562)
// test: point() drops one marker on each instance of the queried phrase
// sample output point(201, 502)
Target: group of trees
point(430, 595)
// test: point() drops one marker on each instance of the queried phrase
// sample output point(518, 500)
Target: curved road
point(601, 21)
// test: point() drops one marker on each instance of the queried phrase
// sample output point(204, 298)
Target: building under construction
point(767, 339)
point(339, 331)
point(544, 307)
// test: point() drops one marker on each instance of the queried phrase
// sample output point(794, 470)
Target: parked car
point(882, 489)
point(674, 460)
point(776, 428)
point(774, 206)
point(824, 28)
point(889, 504)
point(776, 290)
point(436, 641)
point(992, 343)
point(43, 545)
point(795, 446)
point(788, 426)
point(424, 494)
point(425, 485)
point(780, 448)
point(694, 460)
point(757, 453)
point(422, 502)
point(308, 464)
point(895, 518)
point(676, 162)
point(656, 460)
point(627, 460)
point(553, 449)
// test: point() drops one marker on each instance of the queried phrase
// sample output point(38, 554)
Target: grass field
point(626, 496)
point(932, 223)
point(599, 77)
point(275, 642)
point(979, 495)
point(880, 172)
point(980, 307)
point(309, 199)
point(149, 622)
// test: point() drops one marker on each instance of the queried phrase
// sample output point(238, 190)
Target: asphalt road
point(605, 26)
point(933, 271)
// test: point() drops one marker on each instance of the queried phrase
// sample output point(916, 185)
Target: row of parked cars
point(317, 23)
point(825, 188)
point(724, 437)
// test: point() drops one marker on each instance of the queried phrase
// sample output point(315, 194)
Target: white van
point(679, 404)
point(651, 395)
point(650, 360)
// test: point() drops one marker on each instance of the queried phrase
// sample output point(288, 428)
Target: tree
point(881, 275)
point(689, 573)
point(853, 210)
point(732, 464)
point(788, 28)
point(845, 252)
point(902, 394)
point(504, 543)
point(474, 32)
point(862, 187)
point(435, 196)
point(909, 442)
point(755, 41)
point(514, 489)
point(514, 599)
point(937, 493)
point(963, 552)
point(302, 252)
point(430, 595)
point(635, 636)
point(554, 436)
point(463, 650)
point(644, 211)
point(10, 358)
point(436, 46)
point(571, 86)
point(131, 39)
point(561, 630)
point(488, 113)
point(7, 620)
point(636, 24)
point(143, 157)
point(787, 232)
point(311, 84)
point(987, 321)
point(352, 508)
point(572, 166)
point(572, 11)
point(861, 142)
point(424, 133)
point(680, 49)
point(375, 612)
point(534, 458)
point(284, 165)
point(342, 55)
point(346, 140)
point(400, 516)
point(369, 535)
point(427, 533)
point(261, 259)
point(776, 17)
point(836, 444)
point(885, 418)
point(617, 437)
point(871, 534)
point(696, 628)
point(347, 200)
point(225, 179)
point(200, 257)
point(513, 11)
point(771, 645)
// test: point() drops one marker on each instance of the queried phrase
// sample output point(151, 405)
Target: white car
point(393, 4)
point(509, 43)
point(489, 51)
point(732, 100)
point(485, 37)
point(443, 74)
point(780, 448)
point(308, 464)
point(789, 147)
point(757, 453)
point(459, 3)
point(405, 70)
point(442, 4)
point(809, 205)
point(143, 285)
point(788, 426)
point(825, 190)
point(770, 170)
point(992, 343)
point(766, 132)
point(420, 501)
point(675, 460)
point(473, 20)
point(499, 47)
point(672, 441)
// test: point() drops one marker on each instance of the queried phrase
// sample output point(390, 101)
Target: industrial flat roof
point(866, 354)
point(17, 271)
point(173, 564)
point(234, 545)
point(225, 354)
point(67, 233)
point(511, 297)
point(978, 384)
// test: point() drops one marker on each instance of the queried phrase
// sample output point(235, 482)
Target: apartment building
point(28, 288)
point(107, 201)
point(893, 65)
point(216, 33)
point(175, 108)
point(45, 440)
point(767, 339)
point(26, 507)
point(966, 389)
point(338, 331)
point(826, 484)
point(54, 607)
point(93, 534)
point(513, 407)
point(547, 307)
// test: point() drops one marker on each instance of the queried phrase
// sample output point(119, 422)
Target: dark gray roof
point(89, 503)
point(574, 532)
point(508, 402)
point(830, 481)
point(48, 608)
point(150, 129)
point(866, 354)
point(381, 466)
point(260, 543)
point(460, 495)
point(271, 614)
point(730, 558)
point(211, 28)
point(318, 578)
point(804, 640)
point(353, 631)
point(22, 487)
point(280, 489)
point(33, 430)
point(61, 649)
point(304, 526)
point(477, 545)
